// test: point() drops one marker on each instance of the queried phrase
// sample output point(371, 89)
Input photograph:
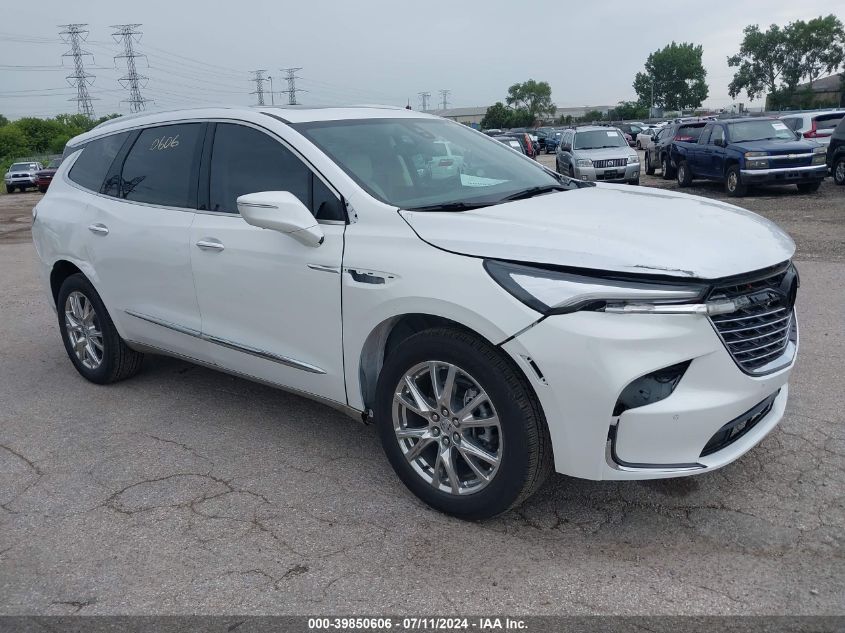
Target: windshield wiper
point(452, 206)
point(533, 191)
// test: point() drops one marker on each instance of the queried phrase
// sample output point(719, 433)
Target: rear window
point(829, 121)
point(689, 132)
point(91, 167)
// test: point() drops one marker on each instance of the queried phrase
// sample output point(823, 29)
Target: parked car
point(744, 152)
point(646, 138)
point(659, 156)
point(526, 141)
point(836, 153)
point(631, 129)
point(22, 176)
point(447, 161)
point(597, 153)
point(552, 141)
point(511, 141)
point(44, 177)
point(493, 326)
point(816, 126)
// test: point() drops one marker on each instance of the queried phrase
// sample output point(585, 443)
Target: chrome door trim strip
point(254, 351)
point(355, 414)
point(325, 269)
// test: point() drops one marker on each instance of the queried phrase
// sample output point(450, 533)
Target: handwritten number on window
point(165, 142)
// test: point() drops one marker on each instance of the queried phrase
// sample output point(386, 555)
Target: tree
point(498, 116)
point(3, 121)
point(534, 97)
point(818, 46)
point(628, 110)
point(675, 75)
point(762, 60)
point(13, 143)
point(592, 115)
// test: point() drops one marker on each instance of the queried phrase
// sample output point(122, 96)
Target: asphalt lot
point(188, 491)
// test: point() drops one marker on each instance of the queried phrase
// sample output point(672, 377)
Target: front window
point(760, 131)
point(426, 163)
point(599, 139)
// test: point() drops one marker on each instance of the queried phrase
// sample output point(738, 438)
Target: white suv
point(494, 322)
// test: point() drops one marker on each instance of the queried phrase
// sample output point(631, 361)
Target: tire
point(42, 189)
point(649, 168)
point(634, 182)
point(571, 171)
point(10, 189)
point(117, 361)
point(684, 174)
point(521, 441)
point(733, 182)
point(666, 168)
point(639, 145)
point(839, 171)
point(809, 187)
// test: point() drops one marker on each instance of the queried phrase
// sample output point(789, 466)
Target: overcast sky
point(373, 51)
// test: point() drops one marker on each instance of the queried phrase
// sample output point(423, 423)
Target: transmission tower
point(444, 99)
point(259, 79)
point(132, 81)
point(73, 35)
point(424, 96)
point(290, 75)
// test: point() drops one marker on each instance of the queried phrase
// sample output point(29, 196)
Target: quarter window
point(93, 164)
point(161, 168)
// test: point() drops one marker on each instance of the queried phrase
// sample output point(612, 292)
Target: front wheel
point(809, 187)
point(733, 182)
point(684, 174)
point(839, 171)
point(92, 342)
point(460, 425)
point(666, 168)
point(639, 145)
point(10, 189)
point(649, 168)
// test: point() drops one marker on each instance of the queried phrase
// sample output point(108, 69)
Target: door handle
point(210, 245)
point(99, 229)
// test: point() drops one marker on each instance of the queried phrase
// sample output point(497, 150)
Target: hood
point(616, 228)
point(45, 172)
point(623, 151)
point(776, 146)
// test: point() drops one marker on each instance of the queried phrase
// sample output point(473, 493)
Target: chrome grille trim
point(610, 162)
point(762, 335)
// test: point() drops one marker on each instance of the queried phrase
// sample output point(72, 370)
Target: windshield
point(400, 161)
point(760, 131)
point(597, 139)
point(22, 166)
point(54, 164)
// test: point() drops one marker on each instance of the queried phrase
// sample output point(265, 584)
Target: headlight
point(819, 156)
point(756, 160)
point(554, 292)
point(633, 159)
point(584, 162)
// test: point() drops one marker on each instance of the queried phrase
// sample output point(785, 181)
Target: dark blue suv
point(749, 151)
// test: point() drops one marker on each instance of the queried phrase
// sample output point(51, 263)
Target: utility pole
point(73, 35)
point(444, 99)
point(290, 75)
point(259, 79)
point(132, 81)
point(424, 97)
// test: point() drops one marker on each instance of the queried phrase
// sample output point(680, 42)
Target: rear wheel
point(839, 171)
point(91, 340)
point(733, 182)
point(809, 187)
point(460, 425)
point(649, 168)
point(666, 168)
point(684, 174)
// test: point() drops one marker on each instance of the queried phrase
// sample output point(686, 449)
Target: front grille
point(610, 162)
point(738, 427)
point(760, 331)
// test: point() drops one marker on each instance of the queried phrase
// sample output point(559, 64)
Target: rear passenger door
point(138, 236)
point(270, 305)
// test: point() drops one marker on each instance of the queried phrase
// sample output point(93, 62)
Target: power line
point(130, 34)
point(290, 76)
point(444, 99)
point(74, 35)
point(259, 79)
point(424, 97)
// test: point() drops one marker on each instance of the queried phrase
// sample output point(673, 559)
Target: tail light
point(684, 138)
point(812, 132)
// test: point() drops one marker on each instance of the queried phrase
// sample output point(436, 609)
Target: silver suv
point(597, 153)
point(22, 176)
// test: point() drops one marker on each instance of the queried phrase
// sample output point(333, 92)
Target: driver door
point(269, 304)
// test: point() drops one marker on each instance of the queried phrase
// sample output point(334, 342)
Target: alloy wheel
point(83, 330)
point(447, 428)
point(839, 174)
point(733, 180)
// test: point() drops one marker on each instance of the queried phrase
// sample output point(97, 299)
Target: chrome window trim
point(247, 349)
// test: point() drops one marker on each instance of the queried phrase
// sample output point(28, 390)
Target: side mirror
point(283, 212)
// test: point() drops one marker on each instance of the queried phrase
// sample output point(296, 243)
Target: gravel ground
point(188, 491)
